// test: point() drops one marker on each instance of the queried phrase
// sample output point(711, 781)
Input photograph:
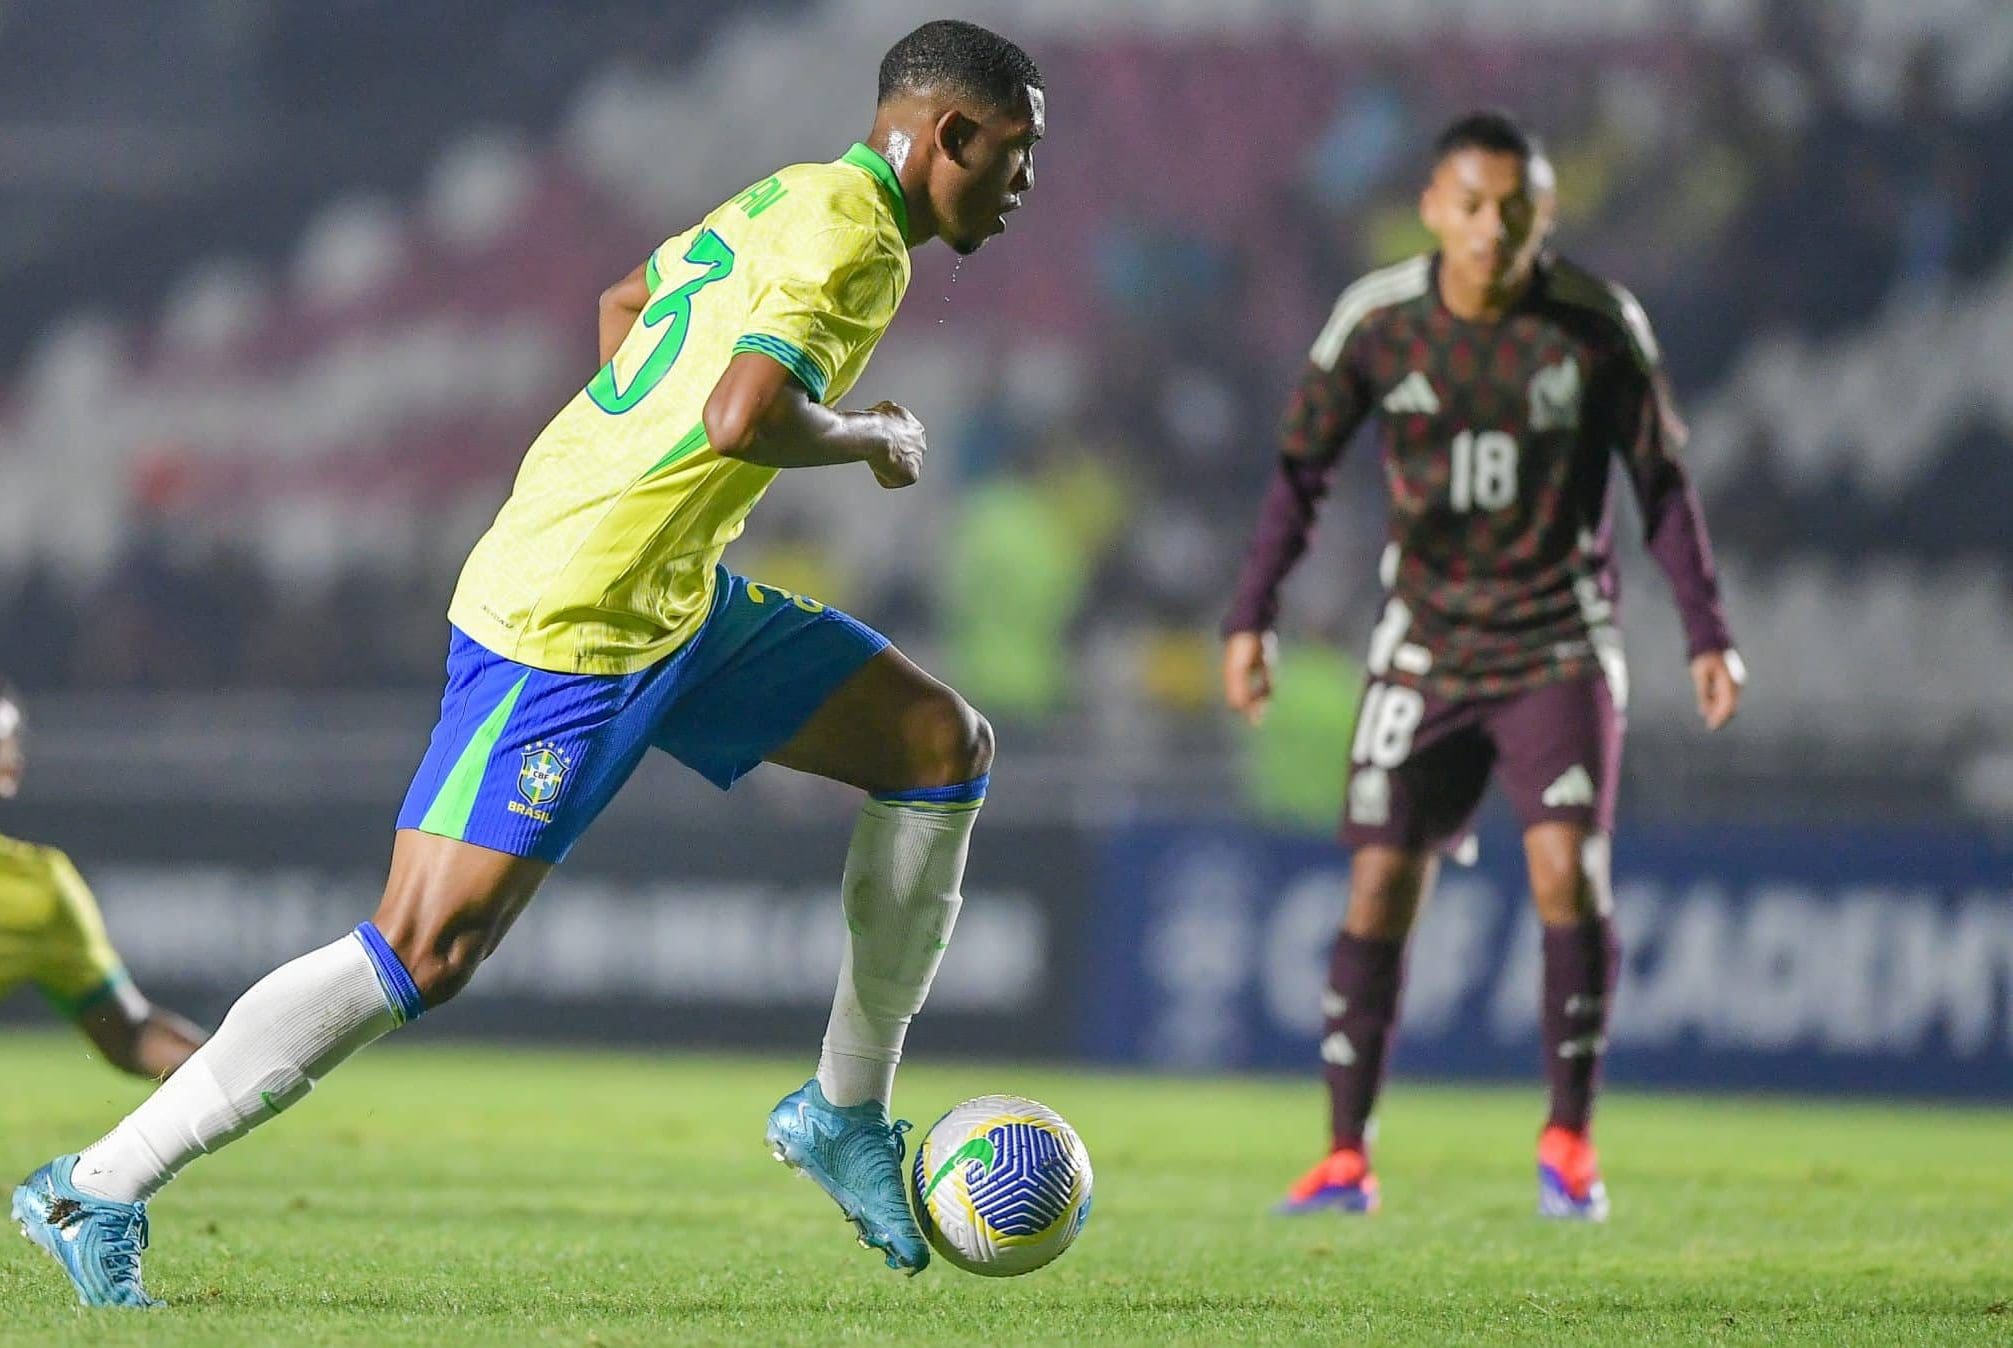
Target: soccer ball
point(1002, 1185)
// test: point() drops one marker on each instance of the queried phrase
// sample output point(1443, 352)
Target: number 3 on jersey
point(1384, 728)
point(674, 311)
point(1485, 471)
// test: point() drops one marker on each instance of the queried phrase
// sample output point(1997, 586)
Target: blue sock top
point(958, 793)
point(399, 989)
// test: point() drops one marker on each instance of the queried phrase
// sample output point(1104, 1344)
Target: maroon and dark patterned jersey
point(1497, 444)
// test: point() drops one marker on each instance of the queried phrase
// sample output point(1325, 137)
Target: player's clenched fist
point(898, 461)
point(1248, 659)
point(1718, 676)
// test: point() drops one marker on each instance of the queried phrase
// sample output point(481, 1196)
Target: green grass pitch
point(441, 1195)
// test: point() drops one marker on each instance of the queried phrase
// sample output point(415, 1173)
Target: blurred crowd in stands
point(219, 487)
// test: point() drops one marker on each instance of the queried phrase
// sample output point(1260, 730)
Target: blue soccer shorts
point(524, 759)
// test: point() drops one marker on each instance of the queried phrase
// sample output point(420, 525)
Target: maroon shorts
point(1420, 763)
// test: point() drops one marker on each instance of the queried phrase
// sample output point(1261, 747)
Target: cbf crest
point(1555, 396)
point(543, 773)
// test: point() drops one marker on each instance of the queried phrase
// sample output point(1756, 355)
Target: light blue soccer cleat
point(96, 1240)
point(855, 1155)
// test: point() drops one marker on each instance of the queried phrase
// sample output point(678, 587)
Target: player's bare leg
point(891, 727)
point(446, 905)
point(1386, 887)
point(922, 754)
point(1570, 887)
point(1359, 1008)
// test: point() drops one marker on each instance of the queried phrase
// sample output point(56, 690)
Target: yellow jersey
point(601, 561)
point(50, 930)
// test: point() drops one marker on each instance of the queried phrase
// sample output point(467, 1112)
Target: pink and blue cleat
point(1340, 1182)
point(1569, 1177)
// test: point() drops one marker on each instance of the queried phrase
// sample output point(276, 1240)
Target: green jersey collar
point(863, 156)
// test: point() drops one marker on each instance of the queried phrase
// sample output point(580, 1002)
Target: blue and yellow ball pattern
point(1002, 1185)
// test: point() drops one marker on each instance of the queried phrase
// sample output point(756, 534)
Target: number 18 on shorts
point(1419, 764)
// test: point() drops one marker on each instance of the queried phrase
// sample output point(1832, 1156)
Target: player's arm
point(83, 976)
point(135, 1035)
point(1326, 408)
point(1649, 436)
point(620, 306)
point(820, 308)
point(760, 412)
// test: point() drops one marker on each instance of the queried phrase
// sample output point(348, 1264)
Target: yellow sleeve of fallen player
point(76, 965)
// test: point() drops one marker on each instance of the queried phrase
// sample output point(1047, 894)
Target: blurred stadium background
point(288, 289)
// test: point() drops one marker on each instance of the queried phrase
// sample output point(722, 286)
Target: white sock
point(291, 1028)
point(901, 896)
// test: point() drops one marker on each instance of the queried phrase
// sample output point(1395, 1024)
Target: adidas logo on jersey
point(1413, 394)
point(1574, 787)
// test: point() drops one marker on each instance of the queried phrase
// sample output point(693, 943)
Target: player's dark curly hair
point(1495, 132)
point(961, 57)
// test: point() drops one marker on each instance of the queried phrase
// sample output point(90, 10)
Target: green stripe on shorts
point(448, 815)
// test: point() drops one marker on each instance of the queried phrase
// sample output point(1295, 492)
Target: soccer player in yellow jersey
point(594, 621)
point(51, 936)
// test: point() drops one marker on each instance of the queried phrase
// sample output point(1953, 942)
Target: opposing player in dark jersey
point(1507, 380)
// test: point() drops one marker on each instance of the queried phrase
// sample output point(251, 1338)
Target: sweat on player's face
point(993, 155)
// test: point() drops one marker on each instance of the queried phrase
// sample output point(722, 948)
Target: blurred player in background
point(594, 622)
point(52, 936)
point(1506, 380)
